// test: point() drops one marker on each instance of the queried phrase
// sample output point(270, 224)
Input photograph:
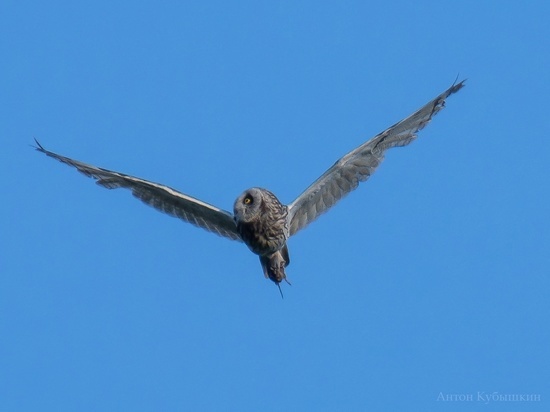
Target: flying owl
point(259, 219)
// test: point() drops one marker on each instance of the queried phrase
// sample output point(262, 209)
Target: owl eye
point(247, 200)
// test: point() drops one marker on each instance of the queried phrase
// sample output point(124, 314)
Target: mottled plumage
point(262, 222)
point(259, 219)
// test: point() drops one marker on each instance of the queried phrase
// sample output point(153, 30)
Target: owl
point(259, 219)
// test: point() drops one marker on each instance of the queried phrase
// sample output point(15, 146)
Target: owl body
point(262, 223)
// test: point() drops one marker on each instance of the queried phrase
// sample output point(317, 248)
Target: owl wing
point(359, 164)
point(160, 197)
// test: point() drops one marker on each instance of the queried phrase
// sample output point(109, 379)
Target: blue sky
point(431, 279)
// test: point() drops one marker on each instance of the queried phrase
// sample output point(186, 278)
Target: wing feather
point(163, 198)
point(359, 164)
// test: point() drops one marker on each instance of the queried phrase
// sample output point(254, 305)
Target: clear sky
point(423, 290)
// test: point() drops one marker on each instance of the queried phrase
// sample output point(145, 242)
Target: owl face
point(247, 207)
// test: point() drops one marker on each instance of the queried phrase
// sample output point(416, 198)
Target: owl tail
point(274, 266)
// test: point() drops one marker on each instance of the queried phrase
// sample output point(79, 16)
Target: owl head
point(249, 205)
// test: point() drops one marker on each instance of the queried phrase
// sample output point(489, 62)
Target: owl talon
point(280, 290)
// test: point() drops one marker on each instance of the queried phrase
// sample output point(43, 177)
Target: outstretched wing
point(359, 164)
point(161, 197)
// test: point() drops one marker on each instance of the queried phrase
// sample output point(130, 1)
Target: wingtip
point(457, 86)
point(38, 146)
